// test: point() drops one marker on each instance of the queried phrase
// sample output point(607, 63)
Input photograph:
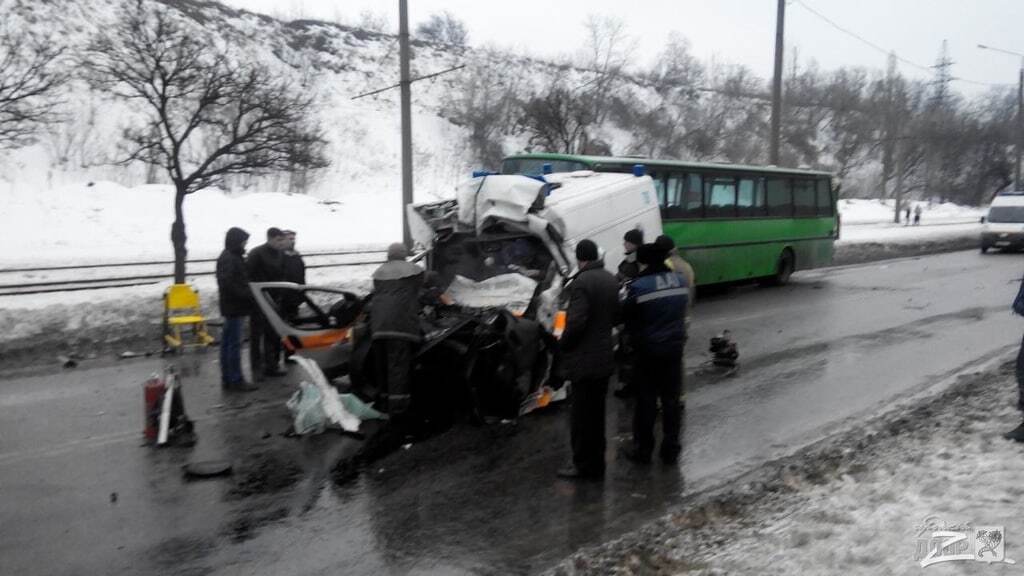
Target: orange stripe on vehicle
point(325, 339)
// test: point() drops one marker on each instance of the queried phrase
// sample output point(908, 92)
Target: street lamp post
point(1020, 111)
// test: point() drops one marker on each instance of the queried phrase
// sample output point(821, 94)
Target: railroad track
point(72, 278)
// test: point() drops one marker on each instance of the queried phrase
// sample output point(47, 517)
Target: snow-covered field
point(858, 505)
point(104, 222)
point(878, 211)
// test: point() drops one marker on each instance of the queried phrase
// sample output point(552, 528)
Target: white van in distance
point(1004, 226)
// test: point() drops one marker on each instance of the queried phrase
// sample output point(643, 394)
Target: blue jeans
point(231, 350)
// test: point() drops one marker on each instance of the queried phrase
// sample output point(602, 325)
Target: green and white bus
point(731, 222)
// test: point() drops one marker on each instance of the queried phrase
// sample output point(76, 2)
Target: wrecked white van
point(497, 257)
point(510, 241)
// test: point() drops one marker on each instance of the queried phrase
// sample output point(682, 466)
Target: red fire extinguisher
point(154, 396)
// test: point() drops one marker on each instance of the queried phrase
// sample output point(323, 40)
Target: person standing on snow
point(395, 326)
point(1018, 308)
point(266, 264)
point(235, 301)
point(917, 214)
point(587, 358)
point(654, 311)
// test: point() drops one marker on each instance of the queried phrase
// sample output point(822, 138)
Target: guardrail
point(71, 278)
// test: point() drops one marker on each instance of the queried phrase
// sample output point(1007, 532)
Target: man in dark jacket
point(587, 358)
point(294, 268)
point(236, 303)
point(1017, 434)
point(629, 268)
point(395, 326)
point(654, 312)
point(266, 264)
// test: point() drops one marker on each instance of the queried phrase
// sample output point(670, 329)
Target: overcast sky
point(734, 31)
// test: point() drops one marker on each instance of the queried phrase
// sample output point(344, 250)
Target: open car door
point(313, 321)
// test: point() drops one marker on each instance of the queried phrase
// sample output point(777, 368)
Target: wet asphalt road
point(79, 495)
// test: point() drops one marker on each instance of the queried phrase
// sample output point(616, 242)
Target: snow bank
point(105, 222)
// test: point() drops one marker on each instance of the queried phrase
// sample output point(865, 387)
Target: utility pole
point(773, 154)
point(403, 43)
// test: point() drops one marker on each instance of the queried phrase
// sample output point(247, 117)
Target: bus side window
point(720, 197)
point(804, 202)
point(693, 204)
point(659, 188)
point(824, 198)
point(672, 209)
point(750, 200)
point(778, 196)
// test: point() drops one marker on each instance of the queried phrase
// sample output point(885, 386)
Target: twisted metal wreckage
point(497, 258)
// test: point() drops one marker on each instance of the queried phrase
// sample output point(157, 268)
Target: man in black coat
point(266, 264)
point(294, 268)
point(587, 358)
point(395, 326)
point(629, 268)
point(236, 303)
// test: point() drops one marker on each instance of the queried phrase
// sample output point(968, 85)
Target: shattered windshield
point(535, 166)
point(472, 268)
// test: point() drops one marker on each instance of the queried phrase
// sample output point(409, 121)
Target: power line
point(882, 50)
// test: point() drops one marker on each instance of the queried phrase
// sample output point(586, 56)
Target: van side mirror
point(982, 219)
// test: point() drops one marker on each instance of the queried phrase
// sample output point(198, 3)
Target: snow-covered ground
point(856, 211)
point(865, 503)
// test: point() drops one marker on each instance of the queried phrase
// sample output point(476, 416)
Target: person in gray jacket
point(395, 326)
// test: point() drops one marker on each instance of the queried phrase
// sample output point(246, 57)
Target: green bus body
point(731, 222)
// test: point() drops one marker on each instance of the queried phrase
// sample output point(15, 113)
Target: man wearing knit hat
point(587, 358)
point(629, 268)
point(395, 327)
point(654, 312)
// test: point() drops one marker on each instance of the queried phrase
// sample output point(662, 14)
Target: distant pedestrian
point(236, 302)
point(628, 268)
point(917, 214)
point(395, 327)
point(1018, 308)
point(654, 311)
point(587, 358)
point(266, 264)
point(906, 215)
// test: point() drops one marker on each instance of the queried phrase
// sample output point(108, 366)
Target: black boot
point(1017, 434)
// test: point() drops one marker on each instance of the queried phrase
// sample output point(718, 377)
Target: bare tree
point(443, 28)
point(608, 50)
point(30, 77)
point(486, 103)
point(374, 21)
point(205, 116)
point(558, 120)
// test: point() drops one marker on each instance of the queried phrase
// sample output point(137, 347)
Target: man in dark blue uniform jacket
point(654, 311)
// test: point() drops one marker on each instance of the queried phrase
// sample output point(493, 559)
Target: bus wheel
point(984, 249)
point(787, 263)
